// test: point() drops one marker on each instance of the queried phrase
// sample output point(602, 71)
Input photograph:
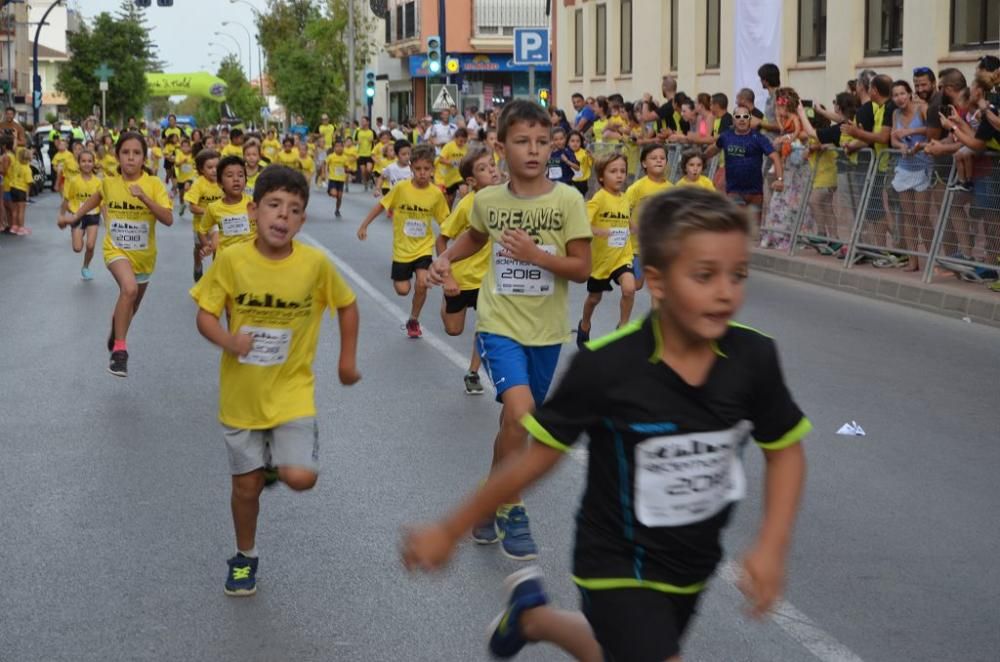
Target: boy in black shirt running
point(668, 403)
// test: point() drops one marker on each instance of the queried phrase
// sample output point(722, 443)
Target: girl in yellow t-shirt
point(76, 191)
point(581, 180)
point(611, 251)
point(693, 164)
point(18, 182)
point(251, 157)
point(135, 202)
point(202, 193)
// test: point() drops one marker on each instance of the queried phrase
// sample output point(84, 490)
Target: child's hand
point(778, 186)
point(450, 287)
point(348, 372)
point(426, 548)
point(520, 246)
point(362, 233)
point(439, 271)
point(136, 190)
point(241, 344)
point(763, 579)
point(64, 220)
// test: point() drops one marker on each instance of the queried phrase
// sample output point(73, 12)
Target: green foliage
point(243, 99)
point(51, 118)
point(123, 43)
point(306, 42)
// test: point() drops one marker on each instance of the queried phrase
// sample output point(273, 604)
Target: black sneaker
point(119, 363)
point(472, 384)
point(241, 580)
point(582, 337)
point(337, 213)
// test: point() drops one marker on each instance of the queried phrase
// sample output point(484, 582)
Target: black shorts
point(582, 187)
point(453, 189)
point(17, 195)
point(638, 624)
point(90, 220)
point(461, 301)
point(405, 270)
point(595, 285)
point(365, 160)
point(334, 186)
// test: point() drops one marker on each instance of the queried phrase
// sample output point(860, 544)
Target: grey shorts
point(291, 444)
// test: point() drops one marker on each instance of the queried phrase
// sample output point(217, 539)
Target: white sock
point(252, 554)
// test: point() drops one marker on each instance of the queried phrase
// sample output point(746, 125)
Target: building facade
point(627, 46)
point(53, 51)
point(15, 58)
point(478, 33)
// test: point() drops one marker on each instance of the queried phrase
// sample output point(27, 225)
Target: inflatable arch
point(200, 84)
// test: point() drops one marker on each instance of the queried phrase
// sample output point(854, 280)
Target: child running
point(76, 191)
point(251, 159)
point(581, 177)
point(399, 169)
point(413, 205)
point(336, 172)
point(134, 203)
point(202, 193)
point(692, 165)
point(274, 291)
point(461, 288)
point(184, 167)
point(539, 240)
point(671, 401)
point(446, 174)
point(226, 222)
point(654, 162)
point(612, 255)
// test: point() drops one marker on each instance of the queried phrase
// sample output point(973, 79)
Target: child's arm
point(468, 243)
point(92, 203)
point(349, 321)
point(209, 326)
point(430, 546)
point(764, 564)
point(372, 215)
point(163, 214)
point(574, 266)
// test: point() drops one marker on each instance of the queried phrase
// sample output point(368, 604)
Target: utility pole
point(36, 79)
point(350, 59)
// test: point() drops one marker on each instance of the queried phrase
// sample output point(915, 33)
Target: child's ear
point(252, 211)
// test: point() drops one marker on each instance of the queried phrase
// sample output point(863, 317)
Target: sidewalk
point(946, 295)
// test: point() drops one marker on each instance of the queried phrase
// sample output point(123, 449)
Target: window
point(673, 34)
point(388, 28)
point(578, 43)
point(712, 40)
point(399, 22)
point(601, 48)
point(884, 27)
point(410, 20)
point(975, 24)
point(626, 37)
point(812, 30)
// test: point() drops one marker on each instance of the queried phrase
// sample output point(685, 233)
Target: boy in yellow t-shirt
point(235, 146)
point(461, 288)
point(365, 138)
point(202, 193)
point(336, 173)
point(539, 241)
point(414, 204)
point(184, 171)
point(226, 222)
point(59, 162)
point(274, 291)
point(446, 174)
point(306, 164)
point(271, 146)
point(692, 165)
point(288, 156)
point(351, 151)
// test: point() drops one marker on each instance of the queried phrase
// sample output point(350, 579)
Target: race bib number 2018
point(270, 346)
point(688, 478)
point(415, 228)
point(235, 225)
point(514, 277)
point(130, 235)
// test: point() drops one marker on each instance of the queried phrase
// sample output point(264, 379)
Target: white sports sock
point(252, 554)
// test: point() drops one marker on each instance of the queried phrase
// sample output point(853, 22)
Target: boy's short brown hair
point(522, 110)
point(665, 219)
point(468, 165)
point(423, 153)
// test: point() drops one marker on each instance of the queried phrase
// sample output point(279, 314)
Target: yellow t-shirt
point(202, 193)
point(586, 165)
point(446, 166)
point(377, 155)
point(599, 126)
point(61, 160)
point(184, 167)
point(327, 131)
point(20, 176)
point(251, 183)
point(130, 228)
point(352, 158)
point(824, 164)
point(173, 131)
point(281, 303)
point(365, 139)
point(702, 182)
point(518, 300)
point(71, 167)
point(468, 273)
point(78, 190)
point(232, 222)
point(154, 158)
point(290, 159)
point(109, 164)
point(610, 212)
point(270, 148)
point(413, 211)
point(642, 188)
point(307, 166)
point(232, 150)
point(336, 167)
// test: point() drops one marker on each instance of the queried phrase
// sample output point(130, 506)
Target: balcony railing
point(497, 18)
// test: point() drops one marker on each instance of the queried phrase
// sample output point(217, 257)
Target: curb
point(951, 300)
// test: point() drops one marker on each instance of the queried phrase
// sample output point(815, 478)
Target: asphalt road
point(114, 519)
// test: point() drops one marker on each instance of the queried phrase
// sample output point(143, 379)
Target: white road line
point(796, 625)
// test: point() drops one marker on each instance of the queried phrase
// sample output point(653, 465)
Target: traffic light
point(451, 65)
point(370, 84)
point(543, 97)
point(434, 54)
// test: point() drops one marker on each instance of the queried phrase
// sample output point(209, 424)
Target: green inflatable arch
point(200, 84)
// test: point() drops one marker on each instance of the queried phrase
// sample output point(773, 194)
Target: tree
point(243, 99)
point(122, 42)
point(306, 43)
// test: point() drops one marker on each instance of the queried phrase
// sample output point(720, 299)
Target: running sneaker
point(582, 337)
point(197, 275)
point(515, 534)
point(241, 580)
point(337, 214)
point(119, 363)
point(485, 533)
point(524, 592)
point(86, 274)
point(413, 329)
point(473, 386)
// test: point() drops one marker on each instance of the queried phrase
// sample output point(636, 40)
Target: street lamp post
point(235, 41)
point(249, 46)
point(36, 79)
point(260, 56)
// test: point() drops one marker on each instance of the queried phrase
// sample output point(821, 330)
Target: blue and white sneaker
point(524, 591)
point(515, 534)
point(86, 274)
point(485, 533)
point(242, 578)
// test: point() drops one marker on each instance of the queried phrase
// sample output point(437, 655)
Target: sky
point(184, 33)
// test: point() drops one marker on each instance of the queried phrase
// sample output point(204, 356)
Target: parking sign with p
point(531, 46)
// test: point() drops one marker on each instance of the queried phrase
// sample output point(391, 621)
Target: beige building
point(15, 57)
point(626, 46)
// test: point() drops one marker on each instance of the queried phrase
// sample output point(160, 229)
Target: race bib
point(688, 478)
point(618, 237)
point(270, 346)
point(555, 172)
point(414, 228)
point(129, 235)
point(338, 171)
point(186, 168)
point(514, 277)
point(235, 225)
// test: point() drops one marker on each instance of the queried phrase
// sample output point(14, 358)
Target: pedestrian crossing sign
point(444, 96)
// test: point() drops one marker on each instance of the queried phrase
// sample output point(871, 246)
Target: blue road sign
point(531, 46)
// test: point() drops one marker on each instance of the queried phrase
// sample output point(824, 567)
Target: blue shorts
point(509, 363)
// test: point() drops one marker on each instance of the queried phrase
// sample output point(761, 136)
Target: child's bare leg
point(77, 239)
point(245, 504)
point(91, 238)
point(568, 630)
point(589, 305)
point(627, 283)
point(419, 294)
